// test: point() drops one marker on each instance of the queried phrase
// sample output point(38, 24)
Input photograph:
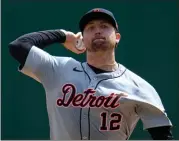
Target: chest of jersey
point(86, 89)
point(96, 104)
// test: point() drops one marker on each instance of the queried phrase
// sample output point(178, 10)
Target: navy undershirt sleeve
point(20, 47)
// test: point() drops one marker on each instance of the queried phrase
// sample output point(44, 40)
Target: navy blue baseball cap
point(97, 13)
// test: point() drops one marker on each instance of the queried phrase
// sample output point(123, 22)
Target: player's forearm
point(161, 133)
point(20, 47)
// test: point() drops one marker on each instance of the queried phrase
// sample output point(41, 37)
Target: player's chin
point(99, 45)
point(100, 48)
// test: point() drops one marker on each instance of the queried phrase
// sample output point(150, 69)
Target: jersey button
point(84, 138)
point(94, 78)
point(84, 117)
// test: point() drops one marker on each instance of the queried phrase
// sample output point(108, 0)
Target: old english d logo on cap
point(96, 10)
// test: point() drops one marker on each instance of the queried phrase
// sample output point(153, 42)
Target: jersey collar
point(108, 75)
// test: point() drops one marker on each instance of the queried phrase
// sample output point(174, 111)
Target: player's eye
point(91, 28)
point(104, 26)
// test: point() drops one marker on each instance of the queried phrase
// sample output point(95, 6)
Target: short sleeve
point(151, 116)
point(42, 66)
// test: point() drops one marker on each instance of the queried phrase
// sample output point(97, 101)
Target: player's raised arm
point(20, 47)
point(36, 63)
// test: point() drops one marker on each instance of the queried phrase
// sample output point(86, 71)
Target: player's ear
point(118, 37)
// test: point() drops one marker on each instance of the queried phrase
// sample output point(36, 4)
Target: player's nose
point(97, 31)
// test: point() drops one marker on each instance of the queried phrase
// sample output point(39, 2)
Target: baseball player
point(99, 99)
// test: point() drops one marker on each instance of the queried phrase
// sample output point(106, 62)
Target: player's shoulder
point(66, 63)
point(137, 79)
point(143, 90)
point(65, 60)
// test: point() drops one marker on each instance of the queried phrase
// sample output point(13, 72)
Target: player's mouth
point(98, 39)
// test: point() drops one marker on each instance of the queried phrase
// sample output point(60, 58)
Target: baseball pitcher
point(99, 99)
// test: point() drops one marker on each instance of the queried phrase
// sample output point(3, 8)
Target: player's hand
point(71, 40)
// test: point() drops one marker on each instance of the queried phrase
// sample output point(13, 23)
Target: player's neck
point(102, 60)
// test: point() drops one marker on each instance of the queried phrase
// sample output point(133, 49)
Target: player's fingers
point(78, 35)
point(80, 51)
point(83, 50)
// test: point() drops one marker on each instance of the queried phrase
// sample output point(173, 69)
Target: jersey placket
point(85, 115)
point(85, 112)
point(84, 123)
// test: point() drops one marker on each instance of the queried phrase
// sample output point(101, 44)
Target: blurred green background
point(149, 47)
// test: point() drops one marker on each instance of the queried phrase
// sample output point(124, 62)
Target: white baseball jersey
point(84, 105)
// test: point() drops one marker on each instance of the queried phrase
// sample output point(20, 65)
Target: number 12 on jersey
point(114, 121)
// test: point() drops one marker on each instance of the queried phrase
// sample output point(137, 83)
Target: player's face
point(99, 35)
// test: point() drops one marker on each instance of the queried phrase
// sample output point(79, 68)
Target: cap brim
point(93, 16)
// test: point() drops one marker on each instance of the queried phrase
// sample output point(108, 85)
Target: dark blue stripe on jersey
point(80, 123)
point(85, 72)
point(89, 124)
point(110, 78)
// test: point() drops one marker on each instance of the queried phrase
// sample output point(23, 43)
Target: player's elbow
point(14, 47)
point(19, 50)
